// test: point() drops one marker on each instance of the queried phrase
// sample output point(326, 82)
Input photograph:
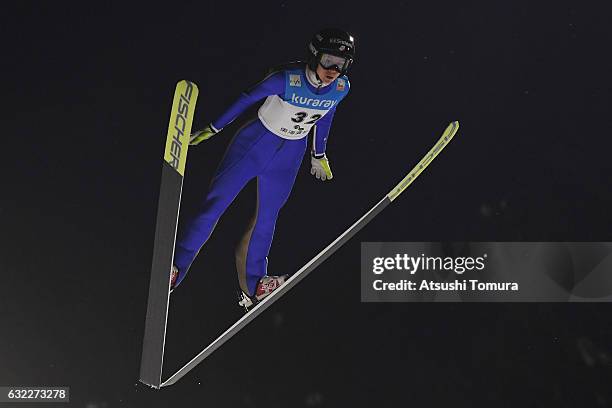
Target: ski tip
point(446, 137)
point(451, 129)
point(186, 81)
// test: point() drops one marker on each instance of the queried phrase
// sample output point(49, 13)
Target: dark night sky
point(86, 94)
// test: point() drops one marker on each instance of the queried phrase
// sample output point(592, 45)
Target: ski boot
point(265, 286)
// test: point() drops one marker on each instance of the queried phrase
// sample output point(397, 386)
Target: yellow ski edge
point(179, 126)
point(446, 137)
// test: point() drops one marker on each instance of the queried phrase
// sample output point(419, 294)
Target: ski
point(446, 137)
point(173, 171)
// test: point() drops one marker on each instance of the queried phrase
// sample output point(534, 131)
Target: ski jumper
point(270, 149)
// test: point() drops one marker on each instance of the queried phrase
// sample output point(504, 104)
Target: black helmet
point(334, 42)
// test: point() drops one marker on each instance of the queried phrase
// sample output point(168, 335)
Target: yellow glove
point(320, 168)
point(204, 134)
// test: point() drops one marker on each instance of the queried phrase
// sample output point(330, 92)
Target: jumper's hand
point(320, 168)
point(200, 135)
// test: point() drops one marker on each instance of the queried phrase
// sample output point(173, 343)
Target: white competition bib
point(293, 115)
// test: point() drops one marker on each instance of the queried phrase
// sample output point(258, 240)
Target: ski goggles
point(329, 61)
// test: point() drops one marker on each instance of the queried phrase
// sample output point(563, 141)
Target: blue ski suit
point(269, 148)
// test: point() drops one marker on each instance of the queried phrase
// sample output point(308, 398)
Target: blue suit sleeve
point(321, 129)
point(320, 132)
point(273, 84)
